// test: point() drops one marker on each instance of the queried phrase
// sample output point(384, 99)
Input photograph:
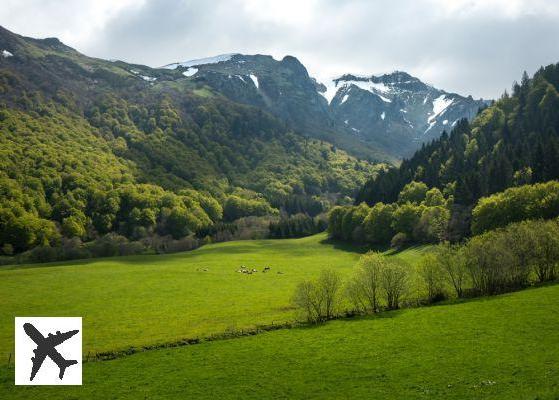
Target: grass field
point(504, 347)
point(146, 300)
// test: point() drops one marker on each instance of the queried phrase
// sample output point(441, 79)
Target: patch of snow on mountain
point(346, 121)
point(6, 54)
point(201, 61)
point(190, 71)
point(384, 98)
point(445, 122)
point(381, 87)
point(376, 88)
point(344, 99)
point(147, 78)
point(241, 78)
point(255, 80)
point(440, 104)
point(331, 89)
point(383, 115)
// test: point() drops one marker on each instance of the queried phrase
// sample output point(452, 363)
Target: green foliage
point(81, 137)
point(378, 223)
point(298, 225)
point(399, 241)
point(516, 204)
point(413, 192)
point(425, 220)
point(405, 219)
point(498, 261)
point(513, 142)
point(236, 207)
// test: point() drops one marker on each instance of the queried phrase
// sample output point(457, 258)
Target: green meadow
point(503, 347)
point(147, 300)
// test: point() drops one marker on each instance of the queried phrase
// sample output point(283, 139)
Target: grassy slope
point(496, 348)
point(155, 299)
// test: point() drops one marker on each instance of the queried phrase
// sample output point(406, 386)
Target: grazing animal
point(266, 269)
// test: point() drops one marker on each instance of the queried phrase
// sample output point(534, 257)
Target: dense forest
point(91, 147)
point(457, 185)
point(515, 141)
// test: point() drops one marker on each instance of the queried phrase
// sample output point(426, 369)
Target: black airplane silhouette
point(46, 347)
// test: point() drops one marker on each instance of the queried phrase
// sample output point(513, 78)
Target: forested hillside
point(513, 144)
point(515, 141)
point(91, 147)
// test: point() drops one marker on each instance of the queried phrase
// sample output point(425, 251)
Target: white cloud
point(495, 8)
point(468, 46)
point(74, 22)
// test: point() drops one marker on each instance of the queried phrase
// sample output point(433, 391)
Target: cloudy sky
point(473, 47)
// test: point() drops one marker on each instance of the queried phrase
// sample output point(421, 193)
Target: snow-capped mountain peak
point(201, 61)
point(396, 108)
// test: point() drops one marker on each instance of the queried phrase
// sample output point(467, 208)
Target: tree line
point(499, 261)
point(420, 215)
point(515, 141)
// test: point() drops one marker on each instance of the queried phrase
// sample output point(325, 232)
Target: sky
point(476, 47)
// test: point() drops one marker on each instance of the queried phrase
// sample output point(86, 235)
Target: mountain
point(515, 141)
point(91, 147)
point(381, 117)
point(397, 112)
point(283, 88)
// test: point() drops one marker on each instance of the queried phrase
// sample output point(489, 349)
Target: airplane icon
point(46, 347)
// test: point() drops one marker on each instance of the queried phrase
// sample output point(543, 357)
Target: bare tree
point(307, 300)
point(432, 276)
point(363, 289)
point(394, 283)
point(319, 300)
point(547, 253)
point(451, 259)
point(329, 284)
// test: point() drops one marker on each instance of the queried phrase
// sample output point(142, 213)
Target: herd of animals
point(244, 270)
point(250, 271)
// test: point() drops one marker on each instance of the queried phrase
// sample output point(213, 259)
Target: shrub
point(319, 300)
point(451, 261)
point(516, 204)
point(394, 283)
point(433, 278)
point(363, 289)
point(399, 241)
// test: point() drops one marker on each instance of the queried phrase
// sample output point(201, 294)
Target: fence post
point(9, 358)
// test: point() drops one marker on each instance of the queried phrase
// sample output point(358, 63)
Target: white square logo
point(48, 351)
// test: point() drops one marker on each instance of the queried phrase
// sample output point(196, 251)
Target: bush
point(451, 262)
point(399, 241)
point(394, 283)
point(516, 204)
point(319, 300)
point(363, 289)
point(433, 278)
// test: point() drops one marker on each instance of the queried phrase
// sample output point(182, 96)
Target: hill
point(282, 88)
point(513, 142)
point(396, 111)
point(494, 348)
point(92, 146)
